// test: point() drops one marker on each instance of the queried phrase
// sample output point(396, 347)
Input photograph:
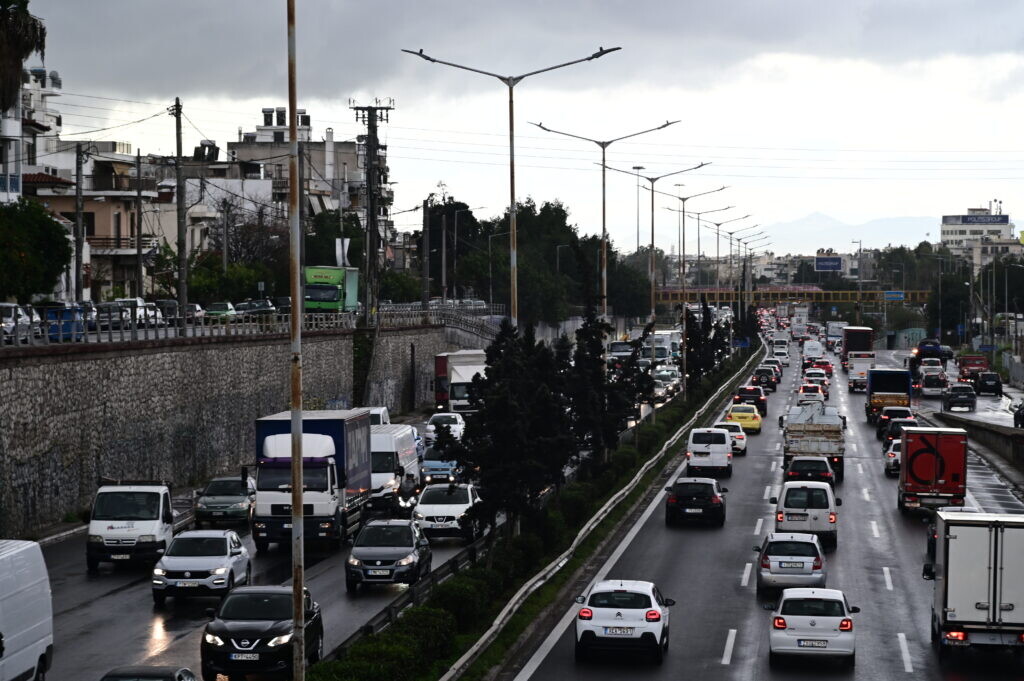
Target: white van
point(709, 451)
point(808, 507)
point(780, 344)
point(379, 416)
point(813, 349)
point(26, 612)
point(132, 522)
point(392, 455)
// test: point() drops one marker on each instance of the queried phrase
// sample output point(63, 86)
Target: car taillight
point(672, 498)
point(816, 565)
point(729, 455)
point(779, 622)
point(766, 562)
point(741, 437)
point(652, 616)
point(728, 417)
point(689, 454)
point(835, 459)
point(716, 499)
point(762, 398)
point(846, 625)
point(792, 474)
point(956, 635)
point(779, 517)
point(831, 517)
point(586, 614)
point(891, 455)
point(827, 474)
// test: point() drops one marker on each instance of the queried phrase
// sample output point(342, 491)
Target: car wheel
point(209, 674)
point(851, 661)
point(721, 521)
point(248, 574)
point(668, 520)
point(352, 587)
point(317, 652)
point(581, 653)
point(262, 546)
point(728, 471)
point(658, 654)
point(159, 599)
point(198, 524)
point(231, 585)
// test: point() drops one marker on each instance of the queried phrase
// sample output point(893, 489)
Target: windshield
point(322, 293)
point(218, 307)
point(441, 495)
point(382, 462)
point(274, 478)
point(750, 392)
point(7, 312)
point(706, 438)
point(620, 347)
point(385, 535)
point(806, 498)
point(624, 600)
point(739, 409)
point(127, 506)
point(792, 548)
point(256, 606)
point(813, 607)
point(897, 413)
point(731, 427)
point(810, 389)
point(934, 381)
point(660, 352)
point(443, 420)
point(198, 546)
point(459, 391)
point(224, 488)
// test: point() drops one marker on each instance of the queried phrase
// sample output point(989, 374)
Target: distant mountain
point(817, 230)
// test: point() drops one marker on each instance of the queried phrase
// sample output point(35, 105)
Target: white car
point(455, 423)
point(813, 623)
point(808, 507)
point(782, 356)
point(201, 563)
point(441, 511)
point(892, 458)
point(621, 615)
point(809, 392)
point(736, 434)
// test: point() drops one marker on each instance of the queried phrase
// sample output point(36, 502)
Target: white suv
point(201, 563)
point(443, 511)
point(813, 623)
point(623, 615)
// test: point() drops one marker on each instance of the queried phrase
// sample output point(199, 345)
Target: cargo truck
point(886, 388)
point(336, 476)
point(331, 289)
point(856, 338)
point(453, 378)
point(971, 366)
point(978, 600)
point(933, 468)
point(860, 363)
point(834, 334)
point(812, 429)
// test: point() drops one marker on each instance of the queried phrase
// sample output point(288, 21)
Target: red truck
point(971, 366)
point(933, 468)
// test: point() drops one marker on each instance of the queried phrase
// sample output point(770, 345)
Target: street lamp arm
point(567, 134)
point(642, 132)
point(658, 177)
point(600, 53)
point(504, 79)
point(697, 214)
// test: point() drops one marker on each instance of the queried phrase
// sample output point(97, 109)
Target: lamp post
point(860, 274)
point(455, 251)
point(604, 144)
point(747, 242)
point(698, 213)
point(718, 254)
point(490, 270)
point(511, 82)
point(731, 238)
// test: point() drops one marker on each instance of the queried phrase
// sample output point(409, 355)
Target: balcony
point(120, 245)
point(118, 183)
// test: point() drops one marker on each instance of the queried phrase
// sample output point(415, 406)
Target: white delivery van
point(709, 451)
point(26, 612)
point(808, 507)
point(130, 522)
point(780, 344)
point(393, 455)
point(379, 416)
point(813, 349)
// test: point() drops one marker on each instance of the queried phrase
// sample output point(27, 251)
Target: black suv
point(695, 499)
point(752, 394)
point(959, 395)
point(894, 431)
point(251, 633)
point(988, 382)
point(766, 378)
point(387, 552)
point(888, 414)
point(815, 468)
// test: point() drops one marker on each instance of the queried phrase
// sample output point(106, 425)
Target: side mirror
point(423, 542)
point(928, 571)
point(581, 600)
point(160, 552)
point(757, 549)
point(854, 609)
point(669, 602)
point(236, 552)
point(168, 518)
point(669, 488)
point(773, 500)
point(210, 613)
point(400, 472)
point(839, 502)
point(724, 490)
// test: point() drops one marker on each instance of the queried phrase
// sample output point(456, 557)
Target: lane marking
point(767, 491)
point(865, 493)
point(757, 526)
point(730, 641)
point(774, 464)
point(746, 574)
point(905, 652)
point(778, 446)
point(874, 529)
point(860, 469)
point(853, 446)
point(888, 578)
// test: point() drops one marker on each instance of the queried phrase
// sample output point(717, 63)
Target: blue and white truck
point(336, 476)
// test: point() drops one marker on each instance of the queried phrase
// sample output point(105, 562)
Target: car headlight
point(417, 515)
point(240, 504)
point(144, 538)
point(219, 571)
point(159, 572)
point(200, 504)
point(95, 539)
point(279, 640)
point(408, 560)
point(354, 562)
point(213, 639)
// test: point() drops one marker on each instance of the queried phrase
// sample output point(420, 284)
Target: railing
point(390, 318)
point(119, 183)
point(124, 242)
point(10, 183)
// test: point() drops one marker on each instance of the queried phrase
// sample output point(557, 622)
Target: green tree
point(21, 34)
point(805, 273)
point(399, 287)
point(34, 250)
point(325, 228)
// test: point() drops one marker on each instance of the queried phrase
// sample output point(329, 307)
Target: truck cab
point(129, 523)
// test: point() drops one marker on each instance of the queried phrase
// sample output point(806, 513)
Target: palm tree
point(21, 34)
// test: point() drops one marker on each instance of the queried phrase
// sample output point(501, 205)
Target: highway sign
point(740, 343)
point(835, 309)
point(986, 348)
point(893, 295)
point(828, 263)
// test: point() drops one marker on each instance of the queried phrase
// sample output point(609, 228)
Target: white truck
point(812, 429)
point(979, 582)
point(834, 333)
point(860, 363)
point(453, 377)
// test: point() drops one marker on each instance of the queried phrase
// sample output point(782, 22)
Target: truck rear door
point(1010, 591)
point(968, 574)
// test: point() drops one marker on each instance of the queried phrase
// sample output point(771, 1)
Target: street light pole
point(490, 271)
point(718, 255)
point(860, 274)
point(604, 144)
point(637, 169)
point(511, 82)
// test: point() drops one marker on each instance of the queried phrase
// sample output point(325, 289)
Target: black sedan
point(700, 499)
point(387, 552)
point(814, 468)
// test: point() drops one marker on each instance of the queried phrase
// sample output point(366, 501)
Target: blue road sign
point(959, 328)
point(834, 309)
point(986, 348)
point(828, 263)
point(740, 343)
point(894, 295)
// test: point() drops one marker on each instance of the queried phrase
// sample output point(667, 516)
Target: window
point(697, 490)
point(382, 462)
point(197, 546)
point(279, 136)
point(257, 606)
point(804, 497)
point(625, 600)
point(441, 495)
point(385, 535)
point(813, 607)
point(706, 438)
point(792, 548)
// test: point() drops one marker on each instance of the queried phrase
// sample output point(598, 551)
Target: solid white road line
point(757, 526)
point(865, 493)
point(746, 574)
point(767, 491)
point(888, 578)
point(860, 469)
point(730, 641)
point(874, 529)
point(905, 652)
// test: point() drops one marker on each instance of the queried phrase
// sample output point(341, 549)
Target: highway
point(719, 629)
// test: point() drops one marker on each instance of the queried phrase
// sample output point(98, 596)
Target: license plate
point(248, 657)
point(287, 526)
point(695, 510)
point(218, 513)
point(378, 573)
point(119, 556)
point(187, 584)
point(796, 516)
point(811, 643)
point(702, 454)
point(618, 631)
point(790, 564)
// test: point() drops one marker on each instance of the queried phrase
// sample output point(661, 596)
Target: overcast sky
point(858, 110)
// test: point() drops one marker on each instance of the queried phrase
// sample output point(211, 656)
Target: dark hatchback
point(388, 552)
point(815, 468)
point(989, 382)
point(888, 414)
point(752, 394)
point(149, 674)
point(251, 633)
point(960, 396)
point(699, 499)
point(894, 431)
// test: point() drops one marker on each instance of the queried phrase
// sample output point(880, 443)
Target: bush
point(551, 528)
point(433, 629)
point(650, 436)
point(527, 552)
point(624, 460)
point(577, 503)
point(384, 656)
point(462, 598)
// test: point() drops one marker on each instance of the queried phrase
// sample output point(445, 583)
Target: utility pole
point(302, 204)
point(79, 227)
point(224, 225)
point(138, 223)
point(180, 199)
point(371, 115)
point(637, 169)
point(425, 256)
point(444, 256)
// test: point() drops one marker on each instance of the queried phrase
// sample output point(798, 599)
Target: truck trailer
point(933, 468)
point(859, 338)
point(812, 429)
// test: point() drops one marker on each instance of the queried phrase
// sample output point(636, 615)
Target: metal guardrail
point(440, 316)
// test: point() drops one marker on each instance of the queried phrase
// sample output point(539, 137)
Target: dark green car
point(225, 499)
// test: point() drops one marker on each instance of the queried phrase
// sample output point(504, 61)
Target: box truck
point(453, 377)
point(886, 388)
point(331, 289)
point(933, 468)
point(859, 338)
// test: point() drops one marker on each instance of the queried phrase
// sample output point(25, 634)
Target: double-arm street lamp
point(718, 253)
point(511, 82)
point(860, 274)
point(698, 214)
point(604, 144)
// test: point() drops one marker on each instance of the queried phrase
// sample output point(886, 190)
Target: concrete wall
point(1005, 442)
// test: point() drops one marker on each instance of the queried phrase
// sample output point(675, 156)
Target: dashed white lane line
point(888, 578)
point(746, 574)
point(757, 526)
point(860, 469)
point(905, 652)
point(778, 446)
point(767, 491)
point(730, 641)
point(853, 446)
point(773, 466)
point(865, 493)
point(874, 529)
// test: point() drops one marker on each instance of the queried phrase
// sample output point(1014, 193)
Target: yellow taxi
point(746, 415)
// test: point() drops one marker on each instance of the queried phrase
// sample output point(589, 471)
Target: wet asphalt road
point(877, 563)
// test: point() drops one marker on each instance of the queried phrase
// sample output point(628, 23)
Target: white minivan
point(808, 507)
point(393, 455)
point(709, 452)
point(26, 612)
